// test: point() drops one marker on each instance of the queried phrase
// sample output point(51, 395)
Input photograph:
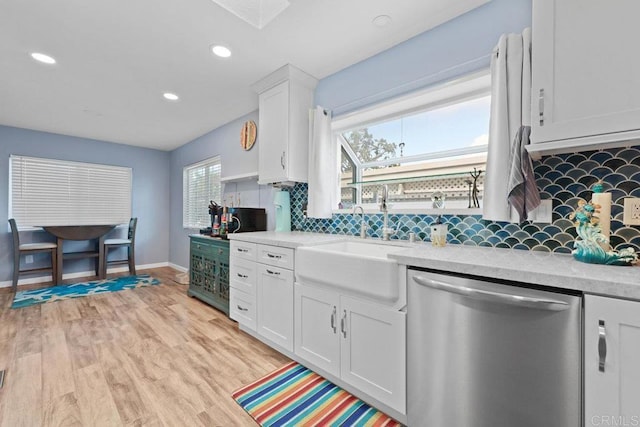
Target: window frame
point(466, 88)
point(186, 203)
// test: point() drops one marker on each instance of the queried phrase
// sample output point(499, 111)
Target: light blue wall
point(225, 142)
point(457, 47)
point(150, 190)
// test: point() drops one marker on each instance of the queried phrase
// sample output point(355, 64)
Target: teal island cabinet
point(209, 271)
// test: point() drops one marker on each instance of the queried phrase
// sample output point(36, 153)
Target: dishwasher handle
point(480, 294)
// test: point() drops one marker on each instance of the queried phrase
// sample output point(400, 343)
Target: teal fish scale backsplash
point(564, 179)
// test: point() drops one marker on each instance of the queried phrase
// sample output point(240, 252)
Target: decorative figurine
point(474, 193)
point(587, 247)
point(468, 182)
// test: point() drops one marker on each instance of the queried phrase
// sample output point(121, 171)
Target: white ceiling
point(116, 58)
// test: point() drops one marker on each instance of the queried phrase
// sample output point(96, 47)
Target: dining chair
point(27, 249)
point(129, 243)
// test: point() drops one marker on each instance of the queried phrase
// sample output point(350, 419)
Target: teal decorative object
point(587, 246)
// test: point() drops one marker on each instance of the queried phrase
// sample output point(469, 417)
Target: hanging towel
point(510, 110)
point(523, 191)
point(323, 166)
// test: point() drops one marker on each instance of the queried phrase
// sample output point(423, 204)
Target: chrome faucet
point(386, 231)
point(363, 224)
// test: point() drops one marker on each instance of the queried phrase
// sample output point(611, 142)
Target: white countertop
point(539, 268)
point(292, 239)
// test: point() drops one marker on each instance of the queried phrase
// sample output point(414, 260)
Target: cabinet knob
point(220, 251)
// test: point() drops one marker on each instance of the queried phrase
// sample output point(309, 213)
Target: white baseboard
point(178, 267)
point(48, 278)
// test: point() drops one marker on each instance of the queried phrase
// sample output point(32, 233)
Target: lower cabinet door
point(373, 350)
point(316, 327)
point(611, 366)
point(274, 288)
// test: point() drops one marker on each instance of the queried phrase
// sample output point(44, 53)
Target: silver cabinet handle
point(282, 159)
point(275, 273)
point(242, 250)
point(241, 308)
point(343, 324)
point(602, 345)
point(242, 276)
point(274, 256)
point(333, 320)
point(521, 301)
point(541, 107)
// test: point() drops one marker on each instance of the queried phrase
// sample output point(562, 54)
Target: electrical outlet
point(631, 214)
point(543, 214)
point(28, 259)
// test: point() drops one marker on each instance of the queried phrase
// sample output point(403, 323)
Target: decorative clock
point(248, 135)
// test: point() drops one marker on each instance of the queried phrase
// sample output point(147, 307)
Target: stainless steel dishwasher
point(482, 354)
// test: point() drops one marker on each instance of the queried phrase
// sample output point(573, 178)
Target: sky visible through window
point(460, 125)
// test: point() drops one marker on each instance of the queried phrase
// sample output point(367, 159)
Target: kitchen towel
point(524, 196)
point(323, 166)
point(510, 110)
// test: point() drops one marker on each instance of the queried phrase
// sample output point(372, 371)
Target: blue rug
point(77, 290)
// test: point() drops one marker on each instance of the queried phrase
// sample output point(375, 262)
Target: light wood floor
point(148, 356)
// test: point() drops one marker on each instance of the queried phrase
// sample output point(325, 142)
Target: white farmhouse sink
point(360, 267)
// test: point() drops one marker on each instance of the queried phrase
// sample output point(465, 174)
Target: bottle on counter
point(215, 230)
point(223, 222)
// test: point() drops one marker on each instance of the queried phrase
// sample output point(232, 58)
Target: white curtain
point(323, 166)
point(510, 109)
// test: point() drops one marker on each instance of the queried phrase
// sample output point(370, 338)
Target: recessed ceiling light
point(170, 96)
point(381, 21)
point(41, 57)
point(221, 51)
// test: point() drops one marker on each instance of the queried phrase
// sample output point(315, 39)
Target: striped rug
point(295, 396)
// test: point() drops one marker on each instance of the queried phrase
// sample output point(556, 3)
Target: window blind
point(47, 192)
point(200, 184)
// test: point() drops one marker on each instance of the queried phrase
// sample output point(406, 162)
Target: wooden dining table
point(80, 232)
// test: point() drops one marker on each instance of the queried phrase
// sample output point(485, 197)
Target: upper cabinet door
point(274, 134)
point(586, 69)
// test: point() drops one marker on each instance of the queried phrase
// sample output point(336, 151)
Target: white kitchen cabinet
point(284, 100)
point(242, 283)
point(373, 350)
point(360, 342)
point(612, 370)
point(316, 327)
point(586, 89)
point(275, 305)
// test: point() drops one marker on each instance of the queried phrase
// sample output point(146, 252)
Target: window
point(200, 184)
point(46, 192)
point(420, 145)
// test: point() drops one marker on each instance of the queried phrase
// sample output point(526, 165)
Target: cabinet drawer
point(243, 250)
point(243, 275)
point(273, 255)
point(242, 308)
